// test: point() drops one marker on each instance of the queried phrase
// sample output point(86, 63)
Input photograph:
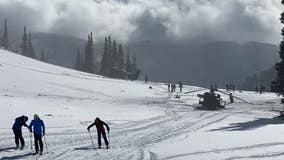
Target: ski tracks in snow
point(132, 140)
point(127, 141)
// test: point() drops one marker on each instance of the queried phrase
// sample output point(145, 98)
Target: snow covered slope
point(145, 123)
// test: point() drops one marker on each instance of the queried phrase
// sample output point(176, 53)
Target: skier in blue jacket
point(17, 129)
point(37, 126)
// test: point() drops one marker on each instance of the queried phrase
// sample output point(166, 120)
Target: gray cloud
point(180, 20)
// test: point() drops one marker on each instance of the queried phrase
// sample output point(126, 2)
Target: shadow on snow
point(6, 149)
point(17, 157)
point(85, 148)
point(240, 149)
point(250, 125)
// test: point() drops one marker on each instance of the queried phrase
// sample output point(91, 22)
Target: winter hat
point(36, 116)
point(97, 119)
point(25, 118)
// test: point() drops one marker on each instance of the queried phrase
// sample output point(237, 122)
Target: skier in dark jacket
point(37, 126)
point(17, 129)
point(100, 131)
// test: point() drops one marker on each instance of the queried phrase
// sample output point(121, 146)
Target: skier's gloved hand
point(30, 130)
point(108, 129)
point(88, 129)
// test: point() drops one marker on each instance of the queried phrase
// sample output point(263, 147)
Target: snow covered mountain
point(229, 62)
point(145, 123)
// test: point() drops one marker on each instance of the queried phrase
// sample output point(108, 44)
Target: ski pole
point(31, 141)
point(108, 138)
point(45, 143)
point(91, 138)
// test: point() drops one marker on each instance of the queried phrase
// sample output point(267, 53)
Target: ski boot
point(22, 147)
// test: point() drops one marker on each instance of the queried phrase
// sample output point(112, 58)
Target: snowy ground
point(145, 123)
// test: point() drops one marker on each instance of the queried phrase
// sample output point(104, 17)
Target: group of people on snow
point(37, 127)
point(172, 87)
point(214, 87)
point(230, 87)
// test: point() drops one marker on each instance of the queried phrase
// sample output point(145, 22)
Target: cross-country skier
point(17, 129)
point(37, 126)
point(100, 131)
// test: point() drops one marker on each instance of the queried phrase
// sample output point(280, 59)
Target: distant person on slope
point(256, 89)
point(231, 98)
point(173, 88)
point(180, 86)
point(37, 126)
point(227, 87)
point(17, 129)
point(100, 131)
point(146, 79)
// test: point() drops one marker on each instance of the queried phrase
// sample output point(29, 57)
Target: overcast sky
point(158, 20)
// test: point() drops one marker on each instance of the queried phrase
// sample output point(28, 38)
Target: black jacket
point(99, 125)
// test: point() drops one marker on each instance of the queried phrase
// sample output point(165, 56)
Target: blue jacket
point(38, 126)
point(19, 123)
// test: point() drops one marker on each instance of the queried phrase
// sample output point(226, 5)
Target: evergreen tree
point(30, 48)
point(78, 64)
point(43, 58)
point(109, 41)
point(24, 43)
point(109, 57)
point(134, 67)
point(278, 86)
point(84, 64)
point(114, 61)
point(120, 58)
point(128, 62)
point(103, 70)
point(5, 40)
point(114, 55)
point(89, 55)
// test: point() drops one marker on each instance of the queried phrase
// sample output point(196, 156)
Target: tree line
point(26, 48)
point(115, 63)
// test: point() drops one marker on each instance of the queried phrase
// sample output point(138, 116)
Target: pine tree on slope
point(278, 85)
point(103, 69)
point(30, 48)
point(24, 43)
point(5, 40)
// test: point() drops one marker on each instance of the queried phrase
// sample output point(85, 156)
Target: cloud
point(159, 20)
